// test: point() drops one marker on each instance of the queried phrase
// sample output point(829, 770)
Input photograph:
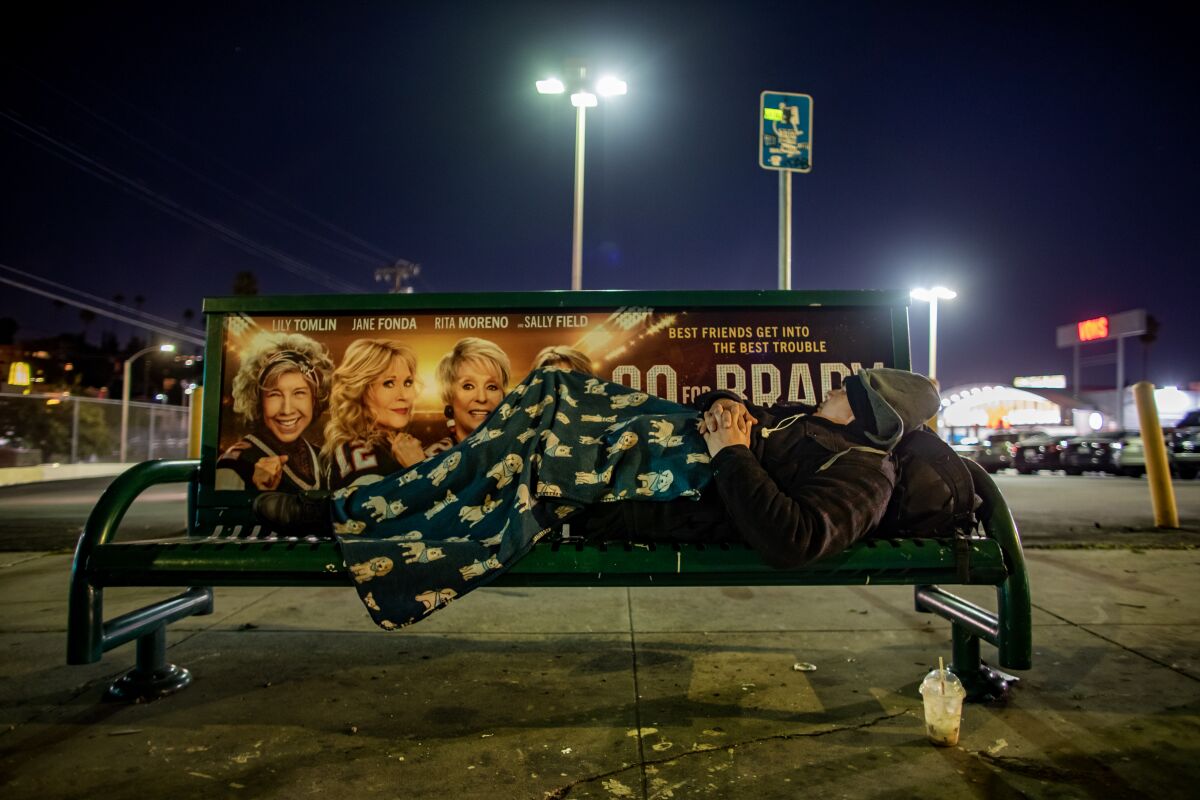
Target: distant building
point(973, 409)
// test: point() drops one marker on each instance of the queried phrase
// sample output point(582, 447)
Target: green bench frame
point(223, 546)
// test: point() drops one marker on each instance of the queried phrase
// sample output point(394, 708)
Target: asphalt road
point(1050, 510)
point(50, 516)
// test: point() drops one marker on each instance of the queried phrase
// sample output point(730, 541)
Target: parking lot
point(1052, 508)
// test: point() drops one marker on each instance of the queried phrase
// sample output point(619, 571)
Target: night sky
point(1037, 158)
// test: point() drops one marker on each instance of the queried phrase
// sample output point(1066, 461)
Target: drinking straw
point(942, 673)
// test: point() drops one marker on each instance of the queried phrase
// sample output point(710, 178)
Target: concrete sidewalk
point(612, 693)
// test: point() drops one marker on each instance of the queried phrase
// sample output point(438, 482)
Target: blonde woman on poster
point(474, 379)
point(563, 357)
point(374, 391)
point(280, 390)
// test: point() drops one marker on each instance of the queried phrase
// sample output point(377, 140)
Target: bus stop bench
point(234, 551)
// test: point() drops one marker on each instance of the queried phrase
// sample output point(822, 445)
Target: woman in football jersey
point(371, 406)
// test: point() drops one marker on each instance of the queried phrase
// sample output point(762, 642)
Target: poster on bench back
point(317, 401)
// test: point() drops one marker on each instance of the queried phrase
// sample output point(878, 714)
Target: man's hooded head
point(888, 403)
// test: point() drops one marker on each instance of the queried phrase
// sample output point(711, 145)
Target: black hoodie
point(805, 488)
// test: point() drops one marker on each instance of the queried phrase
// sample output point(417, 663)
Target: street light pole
point(933, 337)
point(126, 379)
point(577, 228)
point(583, 99)
point(932, 296)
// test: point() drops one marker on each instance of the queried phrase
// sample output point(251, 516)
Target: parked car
point(1092, 452)
point(1129, 455)
point(1185, 445)
point(995, 452)
point(1038, 451)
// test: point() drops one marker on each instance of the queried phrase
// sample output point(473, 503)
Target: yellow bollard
point(1158, 474)
point(194, 416)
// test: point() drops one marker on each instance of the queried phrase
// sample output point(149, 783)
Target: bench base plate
point(141, 686)
point(987, 684)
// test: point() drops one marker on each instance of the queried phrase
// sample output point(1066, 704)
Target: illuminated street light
point(932, 296)
point(582, 99)
point(162, 348)
point(610, 86)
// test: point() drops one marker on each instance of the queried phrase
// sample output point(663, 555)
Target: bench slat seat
point(224, 562)
point(238, 552)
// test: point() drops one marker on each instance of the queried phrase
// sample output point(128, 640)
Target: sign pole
point(785, 229)
point(1121, 382)
point(785, 145)
point(1075, 372)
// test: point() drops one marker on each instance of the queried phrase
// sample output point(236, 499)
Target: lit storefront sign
point(1091, 330)
point(18, 373)
point(1040, 382)
point(1100, 329)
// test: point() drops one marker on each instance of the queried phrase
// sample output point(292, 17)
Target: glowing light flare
point(665, 322)
point(608, 86)
point(936, 293)
point(584, 100)
point(550, 86)
point(595, 339)
point(1171, 401)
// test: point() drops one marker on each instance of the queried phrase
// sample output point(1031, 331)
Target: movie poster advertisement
point(279, 372)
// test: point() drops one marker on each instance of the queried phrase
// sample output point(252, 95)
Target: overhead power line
point(174, 333)
point(371, 258)
point(81, 160)
point(89, 297)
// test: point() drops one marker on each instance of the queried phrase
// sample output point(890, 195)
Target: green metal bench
point(225, 547)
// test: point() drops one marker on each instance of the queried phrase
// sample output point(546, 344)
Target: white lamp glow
point(932, 296)
point(550, 86)
point(609, 86)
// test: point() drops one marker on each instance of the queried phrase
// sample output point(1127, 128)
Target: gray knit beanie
point(890, 402)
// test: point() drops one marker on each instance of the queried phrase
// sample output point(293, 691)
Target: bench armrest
point(85, 616)
point(1013, 596)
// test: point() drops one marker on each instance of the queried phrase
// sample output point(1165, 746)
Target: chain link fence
point(35, 429)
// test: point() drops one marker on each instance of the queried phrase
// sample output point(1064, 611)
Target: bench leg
point(984, 684)
point(152, 677)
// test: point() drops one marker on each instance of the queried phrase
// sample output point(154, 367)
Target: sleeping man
point(796, 484)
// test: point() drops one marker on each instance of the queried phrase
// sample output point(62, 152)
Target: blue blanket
point(417, 539)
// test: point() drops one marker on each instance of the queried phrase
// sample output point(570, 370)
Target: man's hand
point(268, 472)
point(737, 409)
point(407, 449)
point(722, 428)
